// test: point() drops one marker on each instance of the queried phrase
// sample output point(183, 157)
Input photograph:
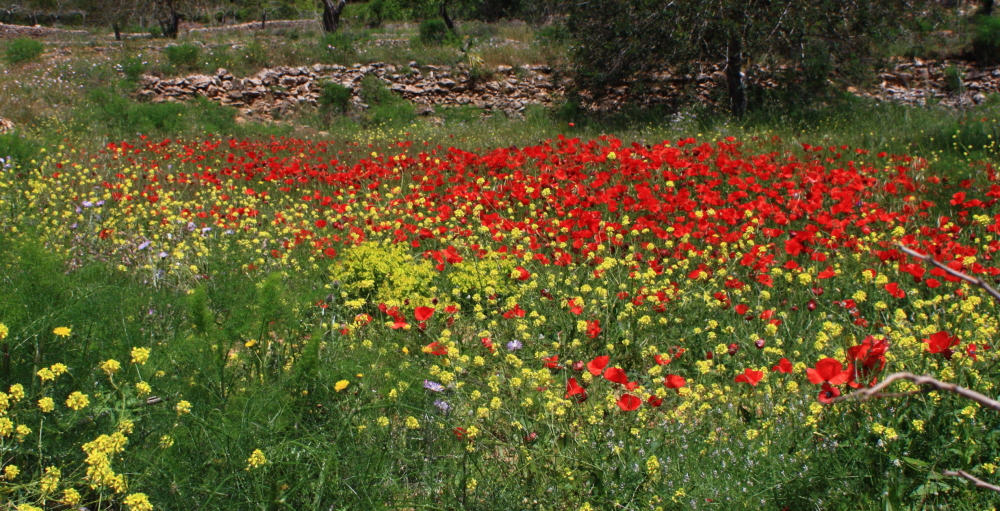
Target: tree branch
point(954, 273)
point(930, 385)
point(975, 480)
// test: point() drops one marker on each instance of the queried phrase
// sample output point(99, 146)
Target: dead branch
point(929, 384)
point(968, 278)
point(975, 480)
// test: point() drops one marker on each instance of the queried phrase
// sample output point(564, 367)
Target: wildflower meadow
point(579, 324)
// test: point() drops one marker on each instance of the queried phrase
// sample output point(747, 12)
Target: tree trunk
point(118, 31)
point(171, 25)
point(331, 15)
point(444, 14)
point(734, 78)
point(985, 8)
point(263, 21)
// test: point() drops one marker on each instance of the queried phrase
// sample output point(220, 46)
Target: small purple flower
point(514, 345)
point(87, 204)
point(433, 386)
point(163, 255)
point(444, 406)
point(144, 245)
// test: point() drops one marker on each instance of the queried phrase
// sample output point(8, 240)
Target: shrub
point(133, 67)
point(23, 49)
point(986, 39)
point(337, 48)
point(953, 80)
point(434, 31)
point(335, 96)
point(182, 55)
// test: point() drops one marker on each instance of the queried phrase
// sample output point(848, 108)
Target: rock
point(6, 125)
point(425, 110)
point(447, 83)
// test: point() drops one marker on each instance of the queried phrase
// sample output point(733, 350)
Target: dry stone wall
point(276, 90)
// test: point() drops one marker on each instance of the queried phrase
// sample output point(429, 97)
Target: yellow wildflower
point(77, 401)
point(256, 459)
point(183, 407)
point(138, 502)
point(140, 355)
point(62, 331)
point(46, 404)
point(341, 385)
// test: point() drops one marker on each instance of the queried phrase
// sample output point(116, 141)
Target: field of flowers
point(580, 324)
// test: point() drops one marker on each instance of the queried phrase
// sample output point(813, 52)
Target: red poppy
point(662, 360)
point(423, 313)
point(574, 389)
point(673, 381)
point(616, 375)
point(574, 308)
point(487, 343)
point(893, 289)
point(941, 342)
point(654, 401)
point(596, 366)
point(783, 366)
point(593, 328)
point(866, 359)
point(552, 362)
point(750, 377)
point(632, 385)
point(628, 402)
point(435, 348)
point(828, 370)
point(522, 274)
point(970, 350)
point(828, 273)
point(827, 393)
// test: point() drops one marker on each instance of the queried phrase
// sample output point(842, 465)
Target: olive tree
point(622, 40)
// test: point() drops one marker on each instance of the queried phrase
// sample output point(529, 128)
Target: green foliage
point(435, 32)
point(986, 39)
point(133, 67)
point(953, 80)
point(335, 96)
point(108, 112)
point(17, 146)
point(614, 38)
point(338, 47)
point(21, 50)
point(183, 56)
point(255, 55)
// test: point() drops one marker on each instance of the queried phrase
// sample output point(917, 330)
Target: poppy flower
point(661, 360)
point(827, 393)
point(552, 362)
point(423, 313)
point(616, 375)
point(596, 366)
point(574, 389)
point(783, 366)
point(632, 385)
point(941, 342)
point(893, 289)
point(970, 350)
point(828, 370)
point(435, 348)
point(673, 381)
point(593, 328)
point(521, 274)
point(628, 402)
point(654, 401)
point(828, 273)
point(574, 308)
point(750, 377)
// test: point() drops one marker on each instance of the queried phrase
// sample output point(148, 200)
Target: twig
point(975, 480)
point(954, 273)
point(930, 383)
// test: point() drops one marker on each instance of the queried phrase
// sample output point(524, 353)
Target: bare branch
point(968, 278)
point(975, 480)
point(929, 383)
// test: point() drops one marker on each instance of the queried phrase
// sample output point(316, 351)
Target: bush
point(986, 39)
point(133, 67)
point(953, 80)
point(23, 49)
point(335, 96)
point(183, 55)
point(434, 31)
point(337, 48)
